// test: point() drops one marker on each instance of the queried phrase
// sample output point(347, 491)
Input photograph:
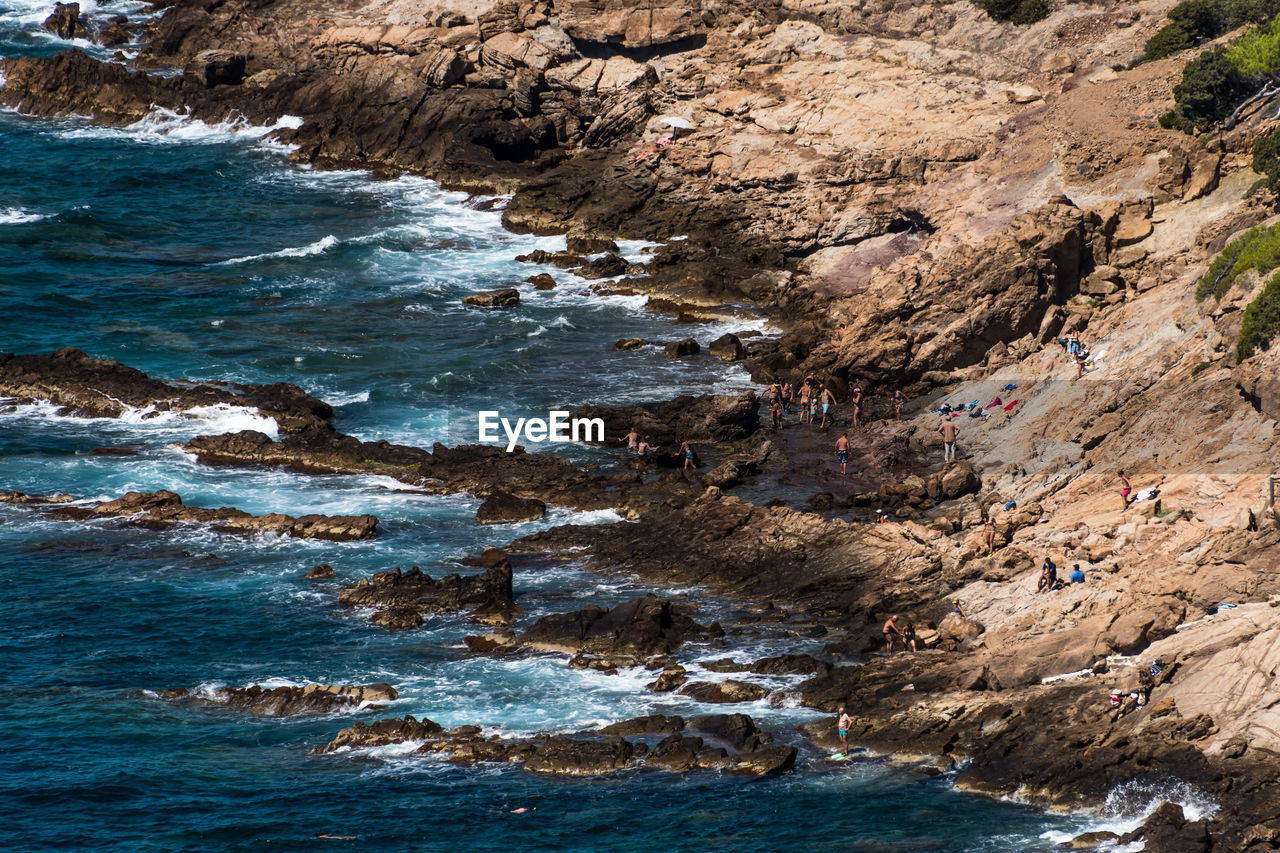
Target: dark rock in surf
point(564, 756)
point(707, 417)
point(293, 700)
point(404, 598)
point(505, 508)
point(383, 732)
point(680, 349)
point(65, 22)
point(724, 692)
point(503, 297)
point(324, 570)
point(727, 347)
point(641, 627)
point(542, 281)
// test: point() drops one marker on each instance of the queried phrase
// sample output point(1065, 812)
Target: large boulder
point(680, 349)
point(65, 22)
point(642, 627)
point(727, 347)
point(958, 629)
point(957, 480)
point(724, 692)
point(218, 68)
point(505, 508)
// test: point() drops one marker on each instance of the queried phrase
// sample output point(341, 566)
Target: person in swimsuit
point(786, 397)
point(687, 452)
point(775, 414)
point(643, 448)
point(989, 531)
point(633, 440)
point(805, 393)
point(1126, 491)
point(843, 722)
point(842, 453)
point(890, 628)
point(828, 400)
point(898, 399)
point(959, 609)
point(813, 410)
point(856, 400)
point(909, 637)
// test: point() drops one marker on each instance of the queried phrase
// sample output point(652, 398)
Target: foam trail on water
point(323, 244)
point(16, 215)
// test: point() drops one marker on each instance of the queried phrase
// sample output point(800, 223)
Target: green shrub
point(1256, 249)
point(1257, 52)
point(1194, 22)
point(1020, 12)
point(1201, 367)
point(1209, 91)
point(1261, 320)
point(1266, 162)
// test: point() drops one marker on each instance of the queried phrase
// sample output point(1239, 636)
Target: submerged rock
point(503, 297)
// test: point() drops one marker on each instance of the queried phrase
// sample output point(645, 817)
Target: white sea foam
point(339, 399)
point(16, 215)
point(170, 127)
point(220, 418)
point(321, 245)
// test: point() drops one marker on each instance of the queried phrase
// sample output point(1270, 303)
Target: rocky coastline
point(943, 257)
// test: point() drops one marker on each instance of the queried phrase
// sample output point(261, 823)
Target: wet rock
point(405, 597)
point(582, 244)
point(323, 570)
point(676, 753)
point(673, 675)
point(609, 664)
point(563, 756)
point(504, 508)
point(65, 22)
point(791, 664)
point(1091, 840)
point(641, 627)
point(292, 700)
point(104, 388)
point(630, 343)
point(503, 297)
point(722, 692)
point(542, 281)
point(607, 266)
point(162, 509)
point(727, 347)
point(384, 732)
point(648, 725)
point(502, 640)
point(680, 349)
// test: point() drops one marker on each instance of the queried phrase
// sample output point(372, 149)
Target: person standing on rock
point(949, 431)
point(633, 440)
point(898, 399)
point(1126, 491)
point(786, 397)
point(890, 628)
point(805, 393)
point(842, 453)
point(843, 722)
point(775, 414)
point(989, 533)
point(828, 400)
point(687, 452)
point(643, 448)
point(856, 400)
point(909, 637)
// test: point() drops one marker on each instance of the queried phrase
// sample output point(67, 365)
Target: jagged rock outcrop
point(288, 701)
point(163, 508)
point(404, 598)
point(710, 417)
point(642, 627)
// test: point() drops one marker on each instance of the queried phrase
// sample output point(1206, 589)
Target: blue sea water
point(202, 253)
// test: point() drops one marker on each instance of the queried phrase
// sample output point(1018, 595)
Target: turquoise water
point(195, 252)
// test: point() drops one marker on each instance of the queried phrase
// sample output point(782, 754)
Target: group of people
point(812, 398)
point(1049, 581)
point(642, 447)
point(906, 634)
point(1076, 351)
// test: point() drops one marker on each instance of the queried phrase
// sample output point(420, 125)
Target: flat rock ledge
point(730, 743)
point(163, 509)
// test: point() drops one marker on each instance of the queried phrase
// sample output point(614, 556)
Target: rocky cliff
point(921, 197)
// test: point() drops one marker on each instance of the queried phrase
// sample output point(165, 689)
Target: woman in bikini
point(805, 393)
point(1126, 491)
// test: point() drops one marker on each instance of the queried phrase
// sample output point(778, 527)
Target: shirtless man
point(842, 453)
point(843, 722)
point(828, 400)
point(633, 440)
point(856, 400)
point(949, 432)
point(786, 397)
point(890, 628)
